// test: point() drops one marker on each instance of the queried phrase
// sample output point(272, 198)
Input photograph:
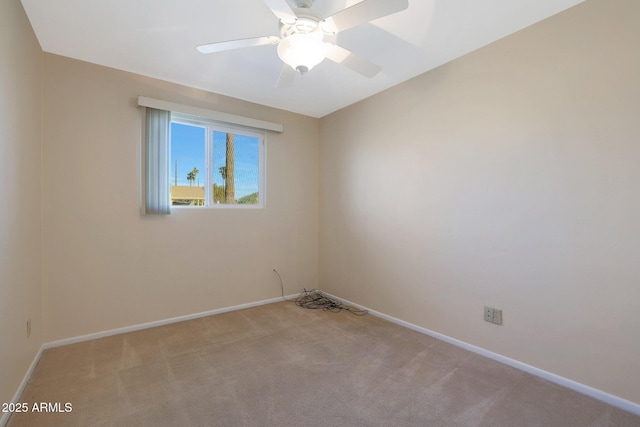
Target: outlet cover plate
point(497, 316)
point(488, 314)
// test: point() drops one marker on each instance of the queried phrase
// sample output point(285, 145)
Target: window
point(214, 165)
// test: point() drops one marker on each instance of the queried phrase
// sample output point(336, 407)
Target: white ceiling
point(157, 38)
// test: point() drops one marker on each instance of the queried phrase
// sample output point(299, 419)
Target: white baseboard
point(16, 397)
point(557, 379)
point(96, 335)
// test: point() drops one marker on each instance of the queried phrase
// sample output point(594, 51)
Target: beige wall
point(507, 178)
point(105, 265)
point(20, 255)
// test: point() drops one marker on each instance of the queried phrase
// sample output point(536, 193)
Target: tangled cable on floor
point(318, 300)
point(315, 299)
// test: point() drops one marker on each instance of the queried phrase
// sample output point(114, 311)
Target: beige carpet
point(281, 365)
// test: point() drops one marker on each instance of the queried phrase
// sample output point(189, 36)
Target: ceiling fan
point(304, 32)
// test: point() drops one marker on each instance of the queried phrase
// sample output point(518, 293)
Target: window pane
point(236, 171)
point(187, 165)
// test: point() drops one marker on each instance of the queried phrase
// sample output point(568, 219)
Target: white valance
point(210, 114)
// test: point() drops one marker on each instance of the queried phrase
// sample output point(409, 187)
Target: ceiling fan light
point(302, 51)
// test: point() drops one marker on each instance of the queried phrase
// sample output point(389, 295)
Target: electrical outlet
point(28, 328)
point(497, 316)
point(493, 315)
point(488, 314)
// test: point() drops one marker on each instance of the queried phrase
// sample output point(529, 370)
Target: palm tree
point(195, 173)
point(229, 188)
point(218, 193)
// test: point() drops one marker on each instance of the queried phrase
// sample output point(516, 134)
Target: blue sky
point(188, 149)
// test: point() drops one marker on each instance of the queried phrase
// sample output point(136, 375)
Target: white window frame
point(216, 126)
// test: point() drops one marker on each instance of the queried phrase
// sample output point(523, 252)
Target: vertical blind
point(157, 162)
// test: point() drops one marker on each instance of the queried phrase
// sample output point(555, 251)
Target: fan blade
point(365, 11)
point(351, 60)
point(286, 77)
point(237, 44)
point(282, 10)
